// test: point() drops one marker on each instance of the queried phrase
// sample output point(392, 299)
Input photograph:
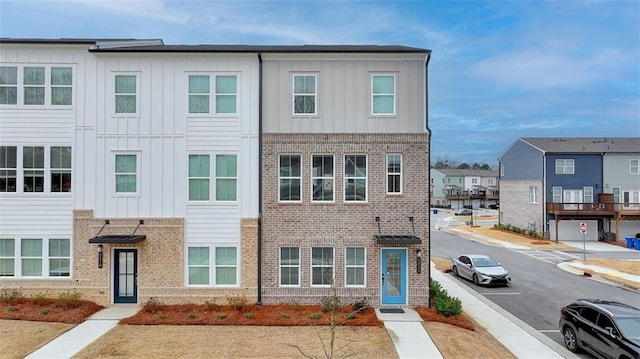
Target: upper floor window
point(33, 81)
point(587, 194)
point(290, 178)
point(126, 93)
point(556, 193)
point(533, 194)
point(225, 94)
point(394, 174)
point(355, 178)
point(322, 178)
point(502, 170)
point(226, 177)
point(36, 85)
point(305, 91)
point(474, 180)
point(8, 168)
point(199, 177)
point(33, 168)
point(383, 94)
point(634, 167)
point(8, 85)
point(126, 173)
point(60, 164)
point(564, 167)
point(617, 194)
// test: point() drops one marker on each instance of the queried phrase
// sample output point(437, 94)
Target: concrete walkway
point(408, 335)
point(71, 342)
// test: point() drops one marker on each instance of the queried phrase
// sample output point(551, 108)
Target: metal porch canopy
point(118, 239)
point(387, 239)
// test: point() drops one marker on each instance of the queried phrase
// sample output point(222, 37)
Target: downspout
point(260, 178)
point(426, 126)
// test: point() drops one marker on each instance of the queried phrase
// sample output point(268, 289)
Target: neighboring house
point(464, 187)
point(345, 167)
point(551, 185)
point(437, 189)
point(130, 169)
point(135, 175)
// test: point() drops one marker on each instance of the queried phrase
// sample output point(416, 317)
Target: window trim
point(43, 170)
point(294, 94)
point(280, 177)
point(136, 75)
point(212, 265)
point(189, 178)
point(393, 174)
point(333, 179)
point(212, 94)
point(49, 257)
point(533, 194)
point(332, 266)
point(563, 165)
point(215, 95)
point(137, 174)
point(51, 170)
point(355, 178)
point(281, 266)
point(394, 94)
point(634, 169)
point(48, 87)
point(556, 191)
point(236, 178)
point(11, 258)
point(41, 258)
point(347, 266)
point(587, 194)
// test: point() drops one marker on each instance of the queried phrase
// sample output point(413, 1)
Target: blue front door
point(125, 279)
point(394, 276)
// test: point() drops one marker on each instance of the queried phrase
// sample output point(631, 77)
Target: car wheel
point(475, 280)
point(570, 339)
point(455, 271)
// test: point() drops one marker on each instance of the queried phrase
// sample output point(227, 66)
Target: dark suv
point(602, 328)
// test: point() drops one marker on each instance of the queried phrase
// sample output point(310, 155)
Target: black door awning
point(121, 239)
point(386, 239)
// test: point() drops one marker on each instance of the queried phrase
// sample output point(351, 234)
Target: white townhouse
point(129, 169)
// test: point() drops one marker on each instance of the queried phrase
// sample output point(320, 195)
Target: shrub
point(284, 316)
point(10, 308)
point(220, 316)
point(69, 299)
point(10, 295)
point(41, 298)
point(44, 311)
point(448, 306)
point(331, 304)
point(248, 315)
point(193, 315)
point(360, 305)
point(315, 316)
point(351, 315)
point(238, 302)
point(159, 315)
point(435, 289)
point(152, 305)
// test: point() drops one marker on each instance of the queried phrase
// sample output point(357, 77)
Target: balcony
point(596, 209)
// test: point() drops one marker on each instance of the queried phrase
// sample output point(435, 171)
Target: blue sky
point(499, 70)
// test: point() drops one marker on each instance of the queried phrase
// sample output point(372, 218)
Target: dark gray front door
point(125, 280)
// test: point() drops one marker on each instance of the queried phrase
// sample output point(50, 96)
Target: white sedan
point(480, 269)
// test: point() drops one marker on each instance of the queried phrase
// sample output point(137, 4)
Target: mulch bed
point(49, 310)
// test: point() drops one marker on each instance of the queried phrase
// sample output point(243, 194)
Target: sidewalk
point(71, 342)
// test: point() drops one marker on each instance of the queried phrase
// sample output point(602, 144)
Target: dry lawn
point(462, 343)
point(18, 338)
point(630, 267)
point(516, 238)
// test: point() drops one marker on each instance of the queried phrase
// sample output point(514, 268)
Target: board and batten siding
point(163, 134)
point(41, 215)
point(344, 94)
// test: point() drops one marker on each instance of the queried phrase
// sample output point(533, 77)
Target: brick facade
point(526, 215)
point(338, 224)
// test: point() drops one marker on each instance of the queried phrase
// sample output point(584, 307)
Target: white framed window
point(290, 178)
point(33, 168)
point(60, 165)
point(226, 177)
point(61, 86)
point(617, 194)
point(198, 265)
point(355, 178)
point(394, 174)
point(31, 257)
point(222, 97)
point(126, 173)
point(322, 178)
point(59, 257)
point(502, 170)
point(322, 263)
point(556, 194)
point(355, 267)
point(199, 177)
point(33, 85)
point(305, 93)
point(565, 167)
point(203, 269)
point(8, 168)
point(634, 166)
point(631, 199)
point(533, 194)
point(289, 266)
point(126, 94)
point(7, 257)
point(8, 85)
point(587, 194)
point(383, 94)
